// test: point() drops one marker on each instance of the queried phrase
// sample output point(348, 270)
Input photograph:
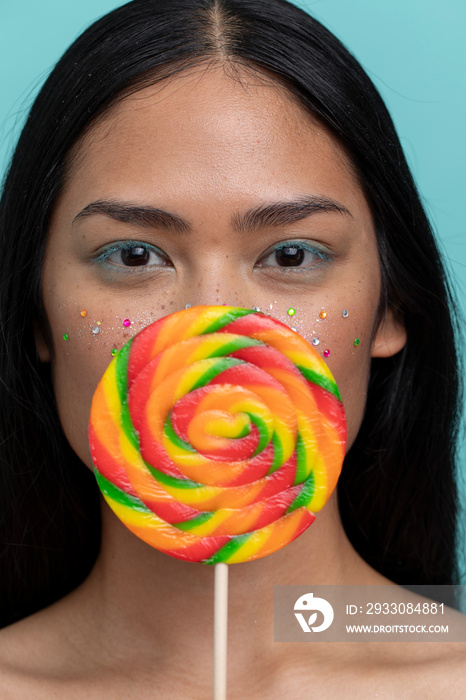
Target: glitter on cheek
point(96, 330)
point(114, 351)
point(315, 341)
point(326, 353)
point(66, 336)
point(127, 323)
point(291, 311)
point(356, 342)
point(83, 313)
point(323, 314)
point(344, 313)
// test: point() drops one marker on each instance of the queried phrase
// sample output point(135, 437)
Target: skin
point(208, 148)
point(206, 163)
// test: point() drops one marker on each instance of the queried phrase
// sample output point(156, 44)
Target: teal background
point(414, 51)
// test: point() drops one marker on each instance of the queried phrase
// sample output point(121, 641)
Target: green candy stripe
point(263, 432)
point(228, 549)
point(128, 427)
point(323, 382)
point(225, 319)
point(277, 454)
point(301, 462)
point(304, 496)
point(174, 438)
point(239, 343)
point(173, 481)
point(116, 494)
point(188, 525)
point(220, 366)
point(244, 433)
point(121, 370)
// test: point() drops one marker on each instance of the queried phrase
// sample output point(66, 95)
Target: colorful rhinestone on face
point(127, 323)
point(216, 434)
point(291, 311)
point(323, 314)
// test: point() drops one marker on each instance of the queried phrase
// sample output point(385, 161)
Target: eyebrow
point(266, 215)
point(141, 215)
point(284, 213)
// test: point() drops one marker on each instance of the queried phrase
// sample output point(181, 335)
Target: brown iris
point(289, 256)
point(135, 255)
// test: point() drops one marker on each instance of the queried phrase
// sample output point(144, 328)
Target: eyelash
point(102, 257)
point(323, 256)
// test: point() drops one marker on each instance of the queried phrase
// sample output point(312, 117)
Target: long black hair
point(397, 493)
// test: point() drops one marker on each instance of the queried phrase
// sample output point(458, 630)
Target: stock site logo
point(312, 605)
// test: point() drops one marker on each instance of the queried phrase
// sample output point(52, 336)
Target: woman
point(219, 114)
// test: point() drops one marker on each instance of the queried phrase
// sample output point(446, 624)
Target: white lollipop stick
point(220, 631)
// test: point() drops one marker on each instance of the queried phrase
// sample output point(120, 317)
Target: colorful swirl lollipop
point(216, 433)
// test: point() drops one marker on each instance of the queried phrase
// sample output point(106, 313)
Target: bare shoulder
point(434, 669)
point(30, 652)
point(389, 670)
point(19, 660)
point(41, 653)
point(429, 670)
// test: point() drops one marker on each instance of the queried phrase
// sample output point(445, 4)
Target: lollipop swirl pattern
point(216, 433)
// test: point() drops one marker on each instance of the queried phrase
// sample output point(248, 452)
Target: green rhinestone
point(114, 351)
point(356, 342)
point(66, 336)
point(291, 312)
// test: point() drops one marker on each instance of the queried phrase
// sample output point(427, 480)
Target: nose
point(217, 281)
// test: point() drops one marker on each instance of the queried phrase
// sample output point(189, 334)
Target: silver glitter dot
point(188, 306)
point(255, 308)
point(96, 330)
point(344, 313)
point(315, 341)
point(294, 329)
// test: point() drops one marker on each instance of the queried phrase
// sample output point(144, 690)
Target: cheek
point(342, 334)
point(87, 330)
point(89, 326)
point(353, 378)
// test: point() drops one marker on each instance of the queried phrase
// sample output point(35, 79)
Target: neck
point(144, 599)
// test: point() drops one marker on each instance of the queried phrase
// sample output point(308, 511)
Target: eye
point(290, 255)
point(132, 254)
point(293, 254)
point(135, 256)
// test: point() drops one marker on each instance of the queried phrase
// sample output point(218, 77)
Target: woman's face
point(207, 190)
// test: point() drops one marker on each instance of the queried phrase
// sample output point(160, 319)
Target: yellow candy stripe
point(230, 436)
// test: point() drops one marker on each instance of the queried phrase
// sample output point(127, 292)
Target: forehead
point(235, 134)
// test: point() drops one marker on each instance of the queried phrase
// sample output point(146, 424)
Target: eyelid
point(323, 253)
point(101, 256)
